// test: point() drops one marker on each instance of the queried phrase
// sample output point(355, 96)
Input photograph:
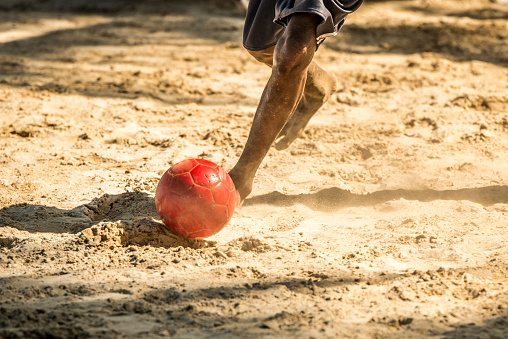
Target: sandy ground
point(388, 218)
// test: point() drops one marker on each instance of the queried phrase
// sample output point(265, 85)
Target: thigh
point(260, 31)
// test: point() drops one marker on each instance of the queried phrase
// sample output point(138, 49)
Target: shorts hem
point(320, 37)
point(279, 19)
point(257, 49)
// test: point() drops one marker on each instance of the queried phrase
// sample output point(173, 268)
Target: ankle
point(243, 183)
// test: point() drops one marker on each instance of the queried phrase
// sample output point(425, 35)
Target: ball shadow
point(124, 219)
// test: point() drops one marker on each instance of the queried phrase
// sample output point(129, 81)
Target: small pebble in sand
point(468, 278)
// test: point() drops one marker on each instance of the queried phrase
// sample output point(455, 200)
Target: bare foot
point(321, 85)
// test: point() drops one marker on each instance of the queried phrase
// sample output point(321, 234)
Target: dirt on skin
point(388, 218)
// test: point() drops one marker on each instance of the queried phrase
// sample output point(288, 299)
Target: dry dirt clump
point(140, 232)
point(387, 218)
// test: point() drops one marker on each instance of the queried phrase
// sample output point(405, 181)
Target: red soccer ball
point(195, 198)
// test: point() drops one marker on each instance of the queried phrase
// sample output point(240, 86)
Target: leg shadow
point(334, 198)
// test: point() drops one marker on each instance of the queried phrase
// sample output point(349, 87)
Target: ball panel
point(181, 183)
point(205, 176)
point(192, 222)
point(158, 206)
point(220, 194)
point(176, 228)
point(216, 218)
point(207, 163)
point(163, 186)
point(172, 207)
point(184, 166)
point(198, 200)
point(232, 202)
point(225, 178)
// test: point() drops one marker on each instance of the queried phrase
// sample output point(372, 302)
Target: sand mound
point(105, 208)
point(140, 232)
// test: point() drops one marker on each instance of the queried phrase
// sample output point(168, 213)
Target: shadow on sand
point(98, 33)
point(173, 311)
point(334, 198)
point(136, 205)
point(40, 218)
point(125, 219)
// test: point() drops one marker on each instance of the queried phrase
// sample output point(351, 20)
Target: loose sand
point(387, 218)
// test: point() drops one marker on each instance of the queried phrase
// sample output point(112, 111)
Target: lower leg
point(292, 57)
point(278, 101)
point(319, 86)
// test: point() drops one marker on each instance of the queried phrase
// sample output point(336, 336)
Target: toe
point(282, 144)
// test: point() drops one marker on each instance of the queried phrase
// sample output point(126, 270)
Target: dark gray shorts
point(266, 19)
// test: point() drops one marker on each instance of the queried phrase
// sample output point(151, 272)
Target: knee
point(293, 55)
point(264, 56)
